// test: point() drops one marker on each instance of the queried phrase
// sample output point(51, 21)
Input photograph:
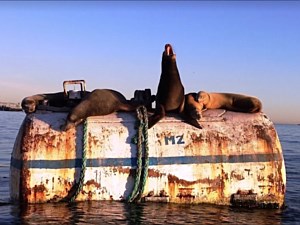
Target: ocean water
point(106, 212)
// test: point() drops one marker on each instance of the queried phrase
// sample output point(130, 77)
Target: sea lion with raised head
point(97, 103)
point(170, 91)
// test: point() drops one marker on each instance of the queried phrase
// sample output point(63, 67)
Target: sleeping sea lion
point(97, 103)
point(198, 102)
point(170, 92)
point(30, 103)
point(230, 101)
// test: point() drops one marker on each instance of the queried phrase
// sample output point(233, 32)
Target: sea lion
point(198, 102)
point(170, 92)
point(97, 103)
point(230, 101)
point(30, 103)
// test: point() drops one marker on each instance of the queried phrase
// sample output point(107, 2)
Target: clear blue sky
point(241, 47)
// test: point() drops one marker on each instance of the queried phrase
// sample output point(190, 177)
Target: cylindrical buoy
point(235, 159)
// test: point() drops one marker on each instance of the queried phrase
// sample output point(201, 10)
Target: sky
point(246, 47)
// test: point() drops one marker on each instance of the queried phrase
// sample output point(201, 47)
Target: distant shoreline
point(8, 106)
point(12, 109)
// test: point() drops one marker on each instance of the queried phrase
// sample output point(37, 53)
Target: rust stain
point(214, 183)
point(209, 136)
point(26, 140)
point(93, 140)
point(271, 178)
point(235, 175)
point(70, 140)
point(163, 193)
point(46, 141)
point(244, 192)
point(39, 193)
point(260, 178)
point(90, 195)
point(185, 193)
point(25, 190)
point(261, 133)
point(150, 194)
point(93, 182)
point(224, 176)
point(280, 185)
point(217, 142)
point(175, 180)
point(155, 173)
point(182, 188)
point(39, 188)
point(123, 170)
point(121, 131)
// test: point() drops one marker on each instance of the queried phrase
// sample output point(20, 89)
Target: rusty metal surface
point(233, 154)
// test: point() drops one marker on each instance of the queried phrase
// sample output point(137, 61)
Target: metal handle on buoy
point(74, 94)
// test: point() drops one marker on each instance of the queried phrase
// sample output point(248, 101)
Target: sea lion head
point(169, 54)
point(203, 97)
point(192, 107)
point(28, 105)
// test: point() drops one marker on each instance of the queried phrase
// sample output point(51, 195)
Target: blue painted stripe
point(153, 161)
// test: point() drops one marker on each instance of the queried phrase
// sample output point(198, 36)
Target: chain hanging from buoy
point(142, 143)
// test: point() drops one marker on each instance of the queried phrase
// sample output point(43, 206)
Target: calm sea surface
point(147, 213)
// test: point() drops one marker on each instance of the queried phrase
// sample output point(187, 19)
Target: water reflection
point(45, 214)
point(105, 212)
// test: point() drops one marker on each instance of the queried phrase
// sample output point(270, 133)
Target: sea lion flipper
point(190, 119)
point(193, 122)
point(127, 107)
point(67, 125)
point(157, 116)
